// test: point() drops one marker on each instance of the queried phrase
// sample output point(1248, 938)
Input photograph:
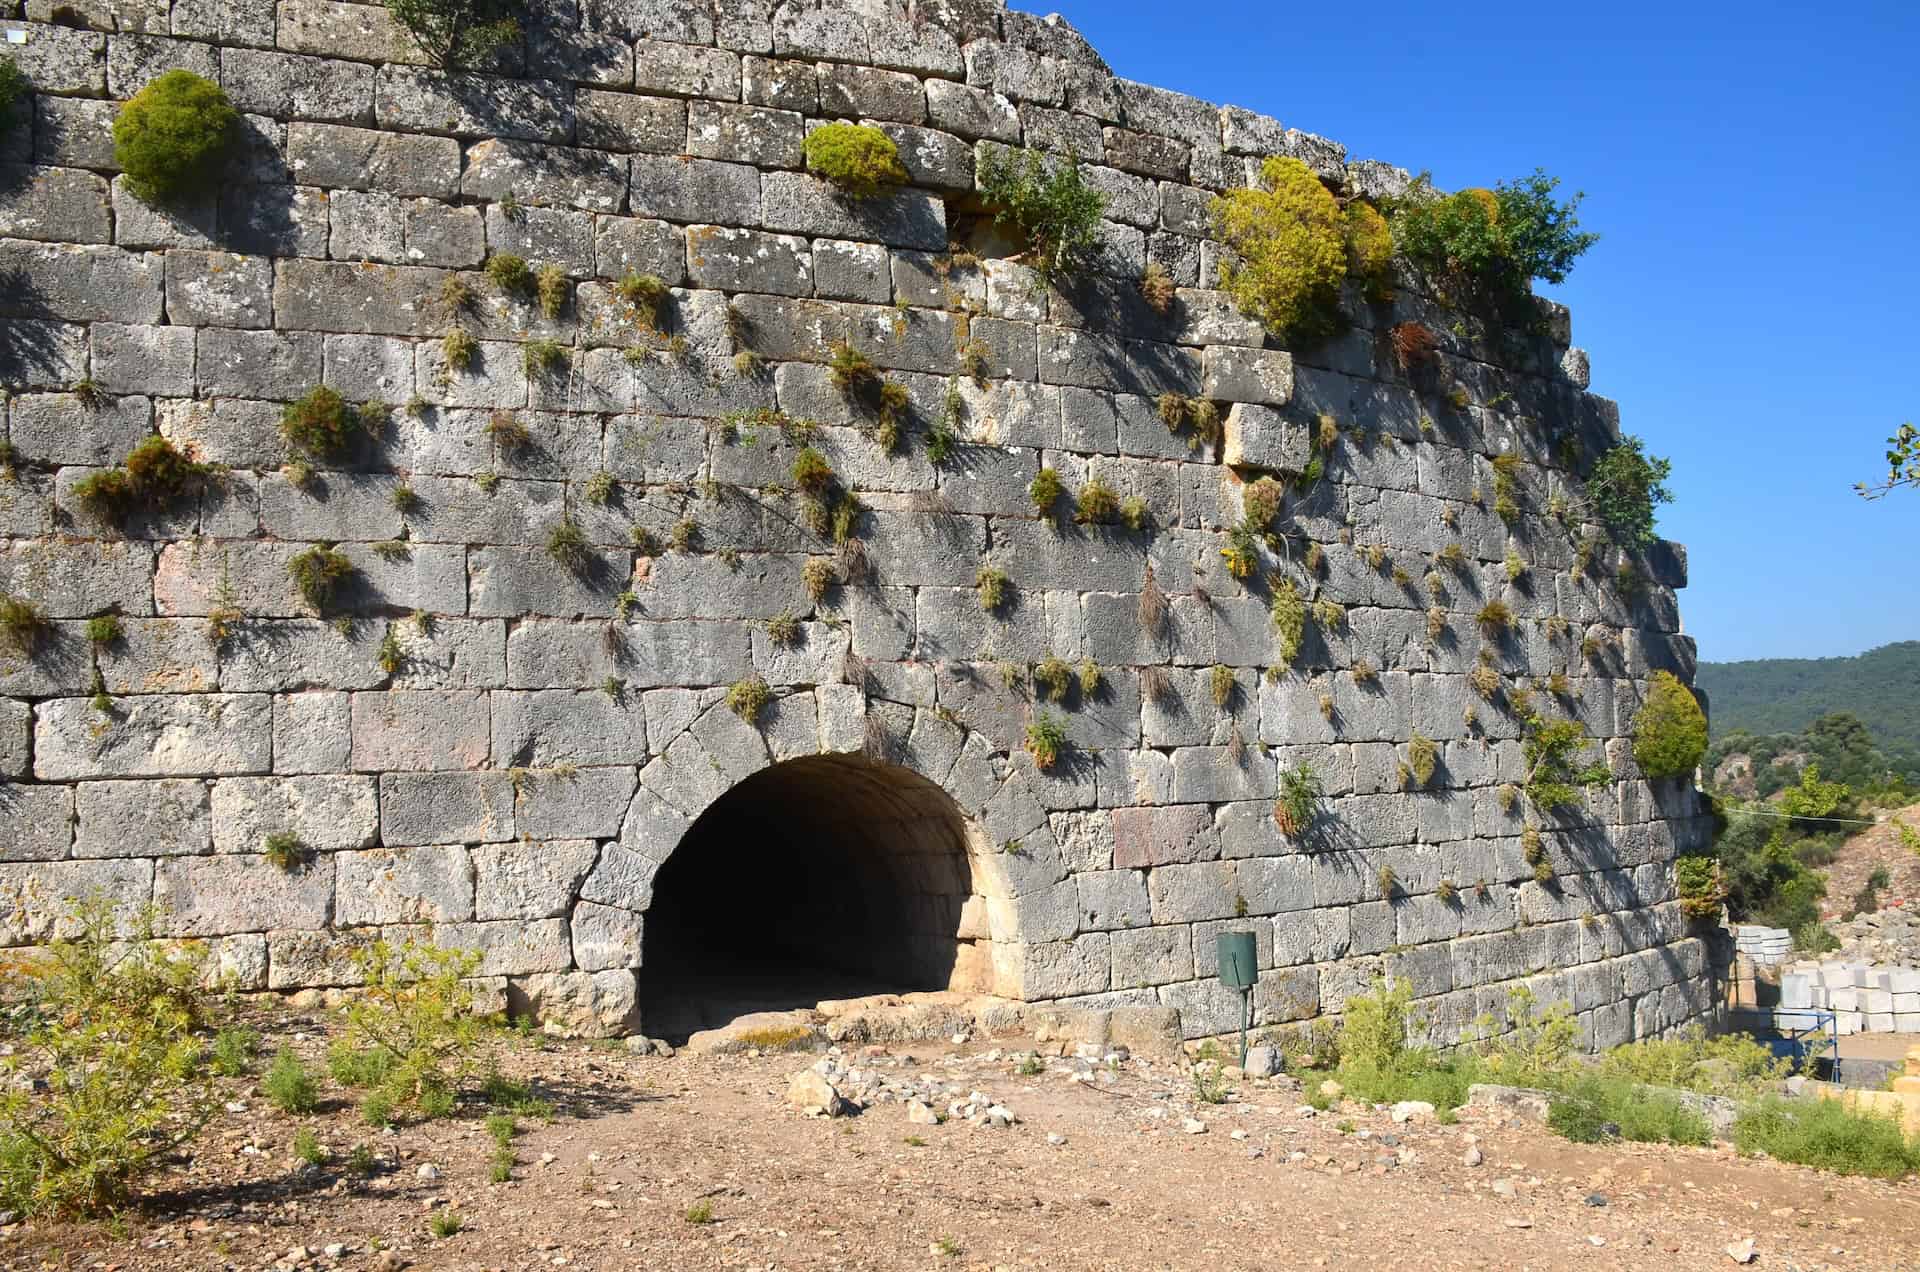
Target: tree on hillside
point(1903, 464)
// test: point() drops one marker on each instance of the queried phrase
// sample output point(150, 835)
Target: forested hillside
point(1784, 695)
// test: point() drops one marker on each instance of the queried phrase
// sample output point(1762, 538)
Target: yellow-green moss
point(1291, 249)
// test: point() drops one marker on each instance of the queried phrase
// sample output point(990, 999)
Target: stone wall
point(494, 782)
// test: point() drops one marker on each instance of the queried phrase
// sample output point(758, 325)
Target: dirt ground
point(1101, 1171)
point(1878, 847)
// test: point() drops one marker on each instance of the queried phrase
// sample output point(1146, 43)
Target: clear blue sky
point(1754, 170)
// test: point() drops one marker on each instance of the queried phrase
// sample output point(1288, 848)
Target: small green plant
point(1702, 891)
point(748, 698)
point(1045, 491)
point(567, 545)
point(1260, 501)
point(321, 424)
point(811, 471)
point(444, 1223)
point(104, 630)
point(307, 1147)
point(1031, 1065)
point(1288, 610)
point(174, 138)
point(783, 628)
point(1046, 738)
point(1495, 618)
point(543, 357)
point(458, 33)
point(390, 656)
point(233, 1050)
point(647, 294)
point(288, 1084)
point(700, 1212)
point(457, 348)
point(858, 158)
point(414, 1024)
point(552, 288)
point(510, 272)
point(1096, 503)
point(1550, 751)
point(1157, 288)
point(1209, 1077)
point(283, 850)
point(1298, 806)
point(1422, 757)
point(1828, 1134)
point(851, 371)
point(1055, 675)
point(317, 573)
point(684, 535)
point(1223, 684)
point(361, 1161)
point(992, 586)
point(1049, 202)
point(819, 577)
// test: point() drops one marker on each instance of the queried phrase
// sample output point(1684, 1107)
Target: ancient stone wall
point(509, 749)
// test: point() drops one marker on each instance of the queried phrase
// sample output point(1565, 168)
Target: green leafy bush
point(153, 477)
point(121, 1079)
point(858, 158)
point(1295, 811)
point(1288, 235)
point(175, 136)
point(1670, 732)
point(233, 1051)
point(1050, 203)
point(1590, 1108)
point(1492, 241)
point(414, 1026)
point(288, 1084)
point(459, 32)
point(1046, 739)
point(1829, 1135)
point(321, 423)
point(317, 572)
point(1624, 488)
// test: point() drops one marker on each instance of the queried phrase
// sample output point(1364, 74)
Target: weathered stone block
point(696, 190)
point(413, 885)
point(326, 813)
point(214, 896)
point(142, 819)
point(530, 880)
point(747, 260)
point(198, 734)
point(437, 808)
point(36, 899)
point(420, 730)
point(802, 204)
point(40, 819)
point(367, 159)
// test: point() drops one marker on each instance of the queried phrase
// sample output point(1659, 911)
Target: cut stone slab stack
point(1766, 946)
point(1863, 998)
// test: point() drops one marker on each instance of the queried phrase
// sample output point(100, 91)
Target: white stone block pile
point(1863, 998)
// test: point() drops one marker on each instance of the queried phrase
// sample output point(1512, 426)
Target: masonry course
point(518, 777)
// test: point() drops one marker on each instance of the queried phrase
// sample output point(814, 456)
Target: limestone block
point(1206, 1007)
point(660, 19)
point(286, 85)
point(1055, 969)
point(312, 732)
point(199, 734)
point(605, 937)
point(214, 896)
point(1151, 956)
point(549, 727)
point(601, 1004)
point(696, 190)
point(62, 205)
point(762, 137)
point(412, 885)
point(1232, 374)
point(802, 204)
point(1098, 361)
point(851, 271)
point(630, 122)
point(511, 948)
point(422, 730)
point(1110, 899)
point(325, 813)
point(341, 158)
point(264, 364)
point(1176, 834)
point(1275, 885)
point(472, 105)
point(36, 899)
point(557, 804)
point(142, 819)
point(1260, 437)
point(530, 880)
point(438, 808)
point(747, 260)
point(511, 582)
point(557, 176)
point(40, 819)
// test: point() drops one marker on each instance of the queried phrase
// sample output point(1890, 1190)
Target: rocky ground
point(1879, 847)
point(964, 1155)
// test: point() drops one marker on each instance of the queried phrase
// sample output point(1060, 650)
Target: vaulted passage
point(825, 877)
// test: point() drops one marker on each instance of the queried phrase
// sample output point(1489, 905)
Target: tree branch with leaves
point(1903, 465)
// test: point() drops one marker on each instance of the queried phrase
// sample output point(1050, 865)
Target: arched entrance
point(825, 876)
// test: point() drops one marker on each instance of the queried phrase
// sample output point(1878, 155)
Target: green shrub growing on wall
point(459, 32)
point(1049, 202)
point(1492, 241)
point(317, 572)
point(1670, 733)
point(1625, 487)
point(175, 136)
point(154, 476)
point(1292, 253)
point(861, 160)
point(321, 423)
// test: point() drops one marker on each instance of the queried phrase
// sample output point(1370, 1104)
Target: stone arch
point(848, 757)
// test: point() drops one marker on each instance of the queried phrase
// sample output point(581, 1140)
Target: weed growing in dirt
point(288, 1084)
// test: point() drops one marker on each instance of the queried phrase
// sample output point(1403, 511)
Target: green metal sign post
point(1238, 959)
